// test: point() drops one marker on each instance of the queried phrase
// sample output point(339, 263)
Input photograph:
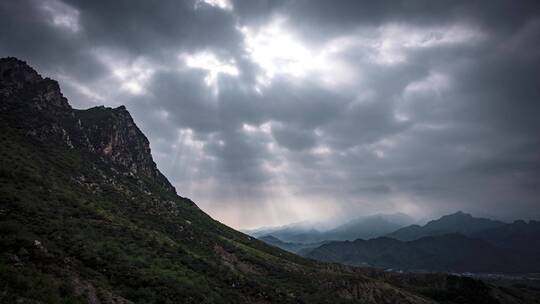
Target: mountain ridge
point(458, 222)
point(455, 242)
point(364, 227)
point(448, 253)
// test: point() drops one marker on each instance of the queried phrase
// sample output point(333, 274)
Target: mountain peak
point(113, 134)
point(17, 70)
point(458, 222)
point(459, 214)
point(36, 105)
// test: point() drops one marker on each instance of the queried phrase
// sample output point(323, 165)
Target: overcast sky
point(271, 112)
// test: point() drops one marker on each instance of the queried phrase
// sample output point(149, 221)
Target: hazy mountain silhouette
point(368, 227)
point(519, 235)
point(451, 252)
point(458, 222)
point(291, 247)
point(455, 242)
point(361, 227)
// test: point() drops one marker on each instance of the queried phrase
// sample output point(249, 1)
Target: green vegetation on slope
point(73, 227)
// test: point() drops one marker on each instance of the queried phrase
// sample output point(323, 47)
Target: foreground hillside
point(86, 217)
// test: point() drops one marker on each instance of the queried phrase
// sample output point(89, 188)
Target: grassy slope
point(74, 228)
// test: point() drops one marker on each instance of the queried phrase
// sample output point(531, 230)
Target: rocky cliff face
point(112, 133)
point(109, 133)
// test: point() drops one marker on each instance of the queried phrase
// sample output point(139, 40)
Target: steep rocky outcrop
point(110, 133)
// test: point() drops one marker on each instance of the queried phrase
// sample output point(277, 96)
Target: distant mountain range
point(456, 242)
point(291, 247)
point(449, 253)
point(519, 236)
point(369, 227)
point(458, 222)
point(362, 227)
point(293, 233)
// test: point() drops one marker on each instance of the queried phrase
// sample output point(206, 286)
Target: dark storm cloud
point(331, 18)
point(27, 32)
point(268, 112)
point(142, 26)
point(294, 138)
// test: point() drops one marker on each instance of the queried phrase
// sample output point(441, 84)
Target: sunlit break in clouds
point(278, 52)
point(272, 112)
point(222, 4)
point(60, 15)
point(209, 63)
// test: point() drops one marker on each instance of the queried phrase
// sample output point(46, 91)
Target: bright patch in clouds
point(61, 15)
point(435, 82)
point(265, 128)
point(278, 52)
point(207, 61)
point(322, 150)
point(222, 4)
point(186, 137)
point(395, 40)
point(131, 75)
point(80, 88)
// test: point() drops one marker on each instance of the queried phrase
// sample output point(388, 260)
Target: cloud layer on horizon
point(269, 112)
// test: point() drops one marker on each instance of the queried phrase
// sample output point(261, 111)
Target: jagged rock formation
point(111, 133)
point(86, 217)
